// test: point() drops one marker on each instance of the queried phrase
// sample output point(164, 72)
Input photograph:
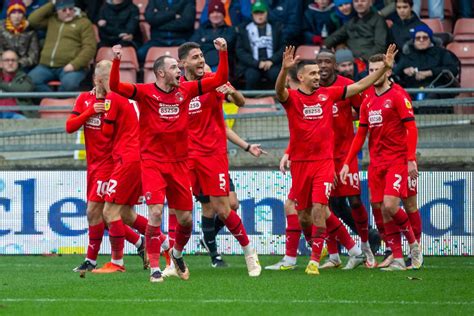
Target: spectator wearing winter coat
point(288, 14)
point(236, 12)
point(404, 23)
point(342, 14)
point(317, 21)
point(118, 23)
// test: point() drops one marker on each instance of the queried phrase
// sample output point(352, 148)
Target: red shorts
point(387, 180)
point(312, 182)
point(125, 186)
point(209, 175)
point(412, 187)
point(352, 186)
point(170, 180)
point(97, 179)
point(291, 194)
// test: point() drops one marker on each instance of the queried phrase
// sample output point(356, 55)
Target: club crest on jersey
point(107, 104)
point(375, 117)
point(315, 111)
point(387, 104)
point(408, 104)
point(322, 97)
point(179, 96)
point(195, 104)
point(168, 109)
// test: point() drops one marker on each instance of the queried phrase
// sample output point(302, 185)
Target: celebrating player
point(164, 110)
point(309, 111)
point(388, 116)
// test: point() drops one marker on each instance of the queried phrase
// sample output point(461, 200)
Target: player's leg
point(208, 221)
point(361, 219)
point(318, 216)
point(132, 219)
point(411, 207)
point(184, 229)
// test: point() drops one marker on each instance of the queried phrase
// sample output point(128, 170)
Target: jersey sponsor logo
point(195, 104)
point(94, 121)
point(107, 104)
point(322, 97)
point(313, 111)
point(375, 117)
point(168, 109)
point(408, 104)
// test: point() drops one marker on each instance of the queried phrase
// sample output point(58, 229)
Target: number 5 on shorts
point(222, 182)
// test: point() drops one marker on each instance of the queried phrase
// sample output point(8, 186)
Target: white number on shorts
point(135, 106)
point(222, 182)
point(412, 183)
point(328, 186)
point(101, 187)
point(396, 184)
point(353, 179)
point(111, 186)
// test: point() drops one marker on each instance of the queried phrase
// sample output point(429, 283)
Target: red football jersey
point(310, 123)
point(123, 114)
point(384, 116)
point(207, 129)
point(342, 120)
point(164, 120)
point(98, 146)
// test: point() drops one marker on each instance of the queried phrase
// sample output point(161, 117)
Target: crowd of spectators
point(55, 41)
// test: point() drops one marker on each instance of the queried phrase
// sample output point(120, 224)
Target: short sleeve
point(356, 101)
point(363, 118)
point(404, 108)
point(337, 93)
point(78, 105)
point(289, 102)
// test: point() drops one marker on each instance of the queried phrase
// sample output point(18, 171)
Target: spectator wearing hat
point(259, 48)
point(404, 23)
point(317, 21)
point(31, 5)
point(69, 47)
point(423, 59)
point(365, 34)
point(15, 35)
point(343, 12)
point(214, 27)
point(345, 65)
point(118, 23)
point(236, 12)
point(171, 22)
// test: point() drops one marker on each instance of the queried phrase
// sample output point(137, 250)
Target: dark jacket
point(338, 19)
point(289, 14)
point(315, 21)
point(239, 12)
point(205, 36)
point(244, 51)
point(20, 83)
point(400, 31)
point(92, 8)
point(120, 18)
point(24, 44)
point(164, 25)
point(365, 36)
point(435, 58)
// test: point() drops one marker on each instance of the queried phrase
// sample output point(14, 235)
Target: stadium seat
point(465, 52)
point(56, 102)
point(307, 52)
point(435, 25)
point(152, 55)
point(145, 30)
point(141, 4)
point(464, 30)
point(128, 64)
point(448, 14)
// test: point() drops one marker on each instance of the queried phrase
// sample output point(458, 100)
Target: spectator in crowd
point(435, 8)
point(384, 8)
point(91, 8)
point(346, 66)
point(69, 47)
point(465, 8)
point(118, 23)
point(423, 60)
point(365, 34)
point(13, 79)
point(213, 28)
point(259, 48)
point(171, 21)
point(289, 14)
point(342, 14)
point(15, 35)
point(31, 5)
point(404, 23)
point(236, 12)
point(317, 25)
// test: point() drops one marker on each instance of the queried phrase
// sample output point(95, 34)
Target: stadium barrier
point(44, 212)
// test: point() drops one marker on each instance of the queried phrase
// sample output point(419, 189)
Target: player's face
point(309, 76)
point(346, 69)
point(327, 66)
point(373, 67)
point(346, 8)
point(362, 6)
point(403, 10)
point(422, 41)
point(171, 72)
point(195, 62)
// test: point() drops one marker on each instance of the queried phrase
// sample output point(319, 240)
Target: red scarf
point(15, 30)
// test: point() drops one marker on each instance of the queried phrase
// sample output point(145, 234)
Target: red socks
point(183, 234)
point(332, 245)
point(130, 235)
point(308, 233)
point(401, 219)
point(234, 225)
point(319, 234)
point(379, 222)
point(415, 221)
point(140, 224)
point(338, 232)
point(293, 233)
point(361, 220)
point(153, 240)
point(96, 233)
point(393, 239)
point(172, 222)
point(117, 238)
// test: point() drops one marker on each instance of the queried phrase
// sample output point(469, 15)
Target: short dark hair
point(409, 2)
point(160, 63)
point(304, 63)
point(376, 58)
point(185, 48)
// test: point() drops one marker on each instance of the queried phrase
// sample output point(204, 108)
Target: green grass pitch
point(36, 285)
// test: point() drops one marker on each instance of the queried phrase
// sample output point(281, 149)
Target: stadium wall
point(44, 212)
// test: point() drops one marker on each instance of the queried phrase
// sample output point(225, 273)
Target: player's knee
point(234, 204)
point(410, 205)
point(223, 214)
point(290, 207)
point(185, 219)
point(318, 214)
point(94, 212)
point(154, 214)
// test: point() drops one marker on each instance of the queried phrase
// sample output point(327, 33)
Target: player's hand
point(99, 107)
point(390, 55)
point(68, 68)
point(220, 44)
point(412, 169)
point(343, 173)
point(225, 89)
point(285, 163)
point(117, 50)
point(289, 58)
point(256, 150)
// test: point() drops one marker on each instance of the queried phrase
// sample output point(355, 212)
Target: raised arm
point(222, 74)
point(366, 82)
point(287, 62)
point(126, 90)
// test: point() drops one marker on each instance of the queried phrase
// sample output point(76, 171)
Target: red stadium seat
point(152, 55)
point(128, 64)
point(56, 102)
point(464, 30)
point(435, 25)
point(141, 4)
point(307, 52)
point(465, 52)
point(448, 14)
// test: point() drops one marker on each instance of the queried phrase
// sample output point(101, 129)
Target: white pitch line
point(230, 301)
